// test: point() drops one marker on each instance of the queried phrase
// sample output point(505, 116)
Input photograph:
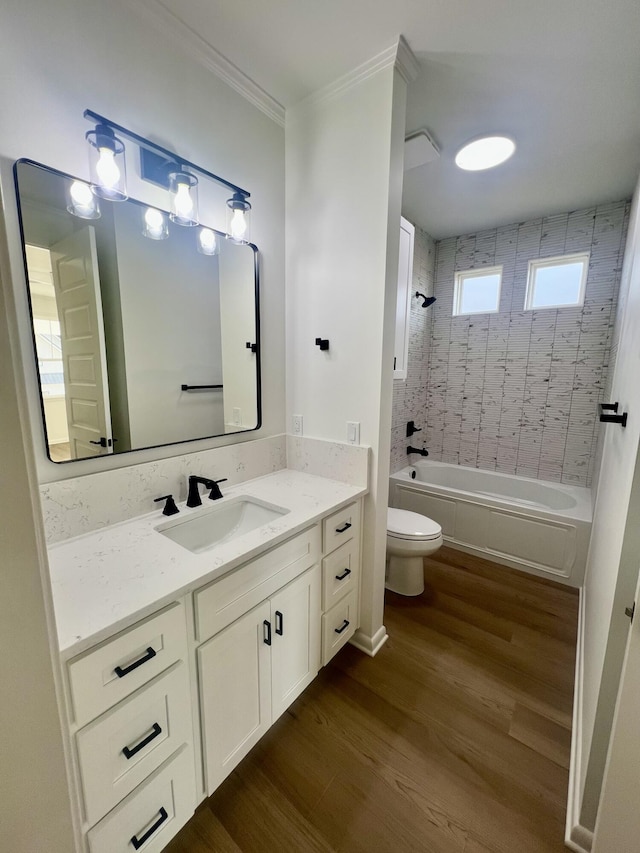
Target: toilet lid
point(403, 524)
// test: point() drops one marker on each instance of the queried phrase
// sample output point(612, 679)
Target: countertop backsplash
point(83, 504)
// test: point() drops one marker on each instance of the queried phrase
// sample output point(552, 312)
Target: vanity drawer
point(341, 527)
point(340, 573)
point(225, 600)
point(110, 672)
point(120, 749)
point(165, 801)
point(338, 626)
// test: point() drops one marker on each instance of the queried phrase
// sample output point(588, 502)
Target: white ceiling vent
point(419, 148)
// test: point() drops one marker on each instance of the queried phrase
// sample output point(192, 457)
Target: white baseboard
point(370, 645)
point(577, 837)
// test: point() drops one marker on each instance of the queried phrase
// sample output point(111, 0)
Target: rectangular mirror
point(139, 342)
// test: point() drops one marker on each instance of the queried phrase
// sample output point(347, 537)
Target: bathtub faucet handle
point(421, 450)
point(411, 428)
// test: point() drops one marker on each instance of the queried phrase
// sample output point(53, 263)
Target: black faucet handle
point(411, 428)
point(215, 494)
point(170, 507)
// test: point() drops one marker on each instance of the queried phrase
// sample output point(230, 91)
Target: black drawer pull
point(129, 752)
point(345, 625)
point(279, 623)
point(122, 671)
point(266, 632)
point(138, 842)
point(342, 529)
point(345, 574)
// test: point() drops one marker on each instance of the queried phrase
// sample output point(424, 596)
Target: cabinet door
point(404, 295)
point(235, 692)
point(295, 617)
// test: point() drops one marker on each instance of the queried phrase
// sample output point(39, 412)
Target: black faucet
point(194, 499)
point(422, 451)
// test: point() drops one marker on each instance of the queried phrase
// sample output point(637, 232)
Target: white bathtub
point(536, 526)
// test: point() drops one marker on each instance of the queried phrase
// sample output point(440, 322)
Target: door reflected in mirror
point(139, 342)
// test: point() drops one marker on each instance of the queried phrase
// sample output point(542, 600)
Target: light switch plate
point(353, 432)
point(297, 424)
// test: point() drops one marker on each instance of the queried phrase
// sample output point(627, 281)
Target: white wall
point(344, 180)
point(170, 310)
point(238, 325)
point(611, 576)
point(103, 56)
point(35, 811)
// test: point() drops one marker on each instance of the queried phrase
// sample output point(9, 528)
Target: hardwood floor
point(453, 739)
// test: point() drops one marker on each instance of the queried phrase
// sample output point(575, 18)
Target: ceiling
point(562, 77)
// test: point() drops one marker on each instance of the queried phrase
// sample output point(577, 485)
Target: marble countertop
point(106, 580)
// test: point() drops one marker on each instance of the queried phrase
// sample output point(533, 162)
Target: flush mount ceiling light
point(159, 166)
point(485, 153)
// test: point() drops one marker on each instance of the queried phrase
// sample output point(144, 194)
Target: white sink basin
point(217, 524)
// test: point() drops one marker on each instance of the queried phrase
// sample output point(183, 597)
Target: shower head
point(428, 300)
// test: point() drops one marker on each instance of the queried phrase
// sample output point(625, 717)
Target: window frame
point(478, 272)
point(557, 261)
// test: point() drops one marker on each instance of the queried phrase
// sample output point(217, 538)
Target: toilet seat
point(411, 526)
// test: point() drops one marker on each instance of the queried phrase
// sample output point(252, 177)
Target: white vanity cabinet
point(213, 669)
point(253, 670)
point(253, 667)
point(265, 649)
point(340, 578)
point(133, 735)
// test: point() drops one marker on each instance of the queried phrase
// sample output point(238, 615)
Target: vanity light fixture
point(238, 216)
point(82, 201)
point(485, 153)
point(107, 163)
point(154, 224)
point(208, 242)
point(164, 168)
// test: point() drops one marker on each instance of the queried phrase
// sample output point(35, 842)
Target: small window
point(557, 282)
point(477, 291)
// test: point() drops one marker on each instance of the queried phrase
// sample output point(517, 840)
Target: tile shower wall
point(517, 391)
point(409, 396)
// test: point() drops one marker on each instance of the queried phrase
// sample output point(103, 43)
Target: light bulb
point(183, 204)
point(154, 224)
point(107, 169)
point(83, 202)
point(207, 243)
point(81, 194)
point(238, 225)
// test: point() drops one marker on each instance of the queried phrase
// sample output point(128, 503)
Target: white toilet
point(410, 537)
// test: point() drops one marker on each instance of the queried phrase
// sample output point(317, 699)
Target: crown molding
point(406, 61)
point(207, 56)
point(399, 55)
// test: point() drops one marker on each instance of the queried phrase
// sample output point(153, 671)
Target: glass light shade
point(238, 219)
point(107, 164)
point(208, 242)
point(82, 202)
point(154, 224)
point(485, 153)
point(183, 192)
